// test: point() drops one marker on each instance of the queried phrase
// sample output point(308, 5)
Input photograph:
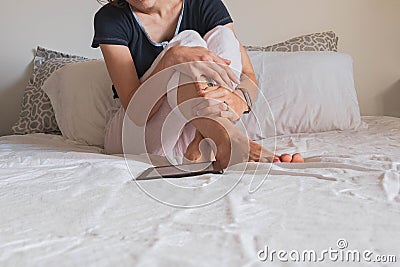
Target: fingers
point(230, 115)
point(221, 66)
point(227, 69)
point(212, 66)
point(199, 71)
point(227, 61)
point(218, 74)
point(214, 92)
point(200, 87)
point(227, 74)
point(217, 59)
point(205, 103)
point(232, 76)
point(210, 107)
point(205, 89)
point(220, 60)
point(223, 101)
point(211, 110)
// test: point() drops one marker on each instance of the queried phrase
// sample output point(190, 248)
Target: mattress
point(65, 204)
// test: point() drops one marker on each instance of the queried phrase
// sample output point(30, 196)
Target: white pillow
point(306, 91)
point(81, 94)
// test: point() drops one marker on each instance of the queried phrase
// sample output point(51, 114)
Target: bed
point(67, 204)
point(63, 202)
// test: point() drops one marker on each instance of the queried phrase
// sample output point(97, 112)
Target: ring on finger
point(227, 106)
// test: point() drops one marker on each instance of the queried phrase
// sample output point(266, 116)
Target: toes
point(276, 160)
point(286, 158)
point(297, 158)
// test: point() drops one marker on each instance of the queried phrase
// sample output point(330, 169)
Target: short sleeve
point(214, 13)
point(112, 26)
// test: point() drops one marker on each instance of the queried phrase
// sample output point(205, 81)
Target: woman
point(140, 38)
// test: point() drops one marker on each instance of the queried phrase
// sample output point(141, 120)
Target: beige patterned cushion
point(324, 41)
point(37, 115)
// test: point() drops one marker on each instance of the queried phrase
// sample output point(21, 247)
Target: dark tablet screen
point(179, 171)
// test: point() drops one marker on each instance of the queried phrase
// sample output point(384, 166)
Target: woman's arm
point(248, 78)
point(123, 74)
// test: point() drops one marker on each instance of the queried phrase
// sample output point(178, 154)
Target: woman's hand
point(202, 63)
point(222, 102)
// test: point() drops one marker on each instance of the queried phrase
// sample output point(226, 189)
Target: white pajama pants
point(222, 42)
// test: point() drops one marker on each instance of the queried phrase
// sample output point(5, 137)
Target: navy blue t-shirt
point(120, 26)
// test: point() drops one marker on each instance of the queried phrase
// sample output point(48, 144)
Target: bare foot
point(252, 152)
point(243, 150)
point(199, 150)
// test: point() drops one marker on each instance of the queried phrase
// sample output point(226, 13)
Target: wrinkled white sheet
point(62, 204)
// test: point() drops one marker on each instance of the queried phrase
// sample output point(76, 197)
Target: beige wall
point(369, 30)
point(64, 25)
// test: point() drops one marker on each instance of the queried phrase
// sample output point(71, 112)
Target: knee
point(222, 32)
point(189, 38)
point(189, 34)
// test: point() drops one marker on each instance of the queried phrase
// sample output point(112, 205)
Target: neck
point(159, 7)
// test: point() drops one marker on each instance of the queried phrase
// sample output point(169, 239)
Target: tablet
point(179, 171)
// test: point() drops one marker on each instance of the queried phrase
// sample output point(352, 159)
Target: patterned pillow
point(37, 115)
point(324, 41)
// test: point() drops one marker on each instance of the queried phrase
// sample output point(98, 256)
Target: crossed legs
point(230, 144)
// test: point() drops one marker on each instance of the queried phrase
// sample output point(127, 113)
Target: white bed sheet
point(62, 204)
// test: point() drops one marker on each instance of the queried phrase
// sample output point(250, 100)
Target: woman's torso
point(198, 15)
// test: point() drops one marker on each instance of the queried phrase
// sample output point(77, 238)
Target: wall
point(63, 25)
point(368, 30)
